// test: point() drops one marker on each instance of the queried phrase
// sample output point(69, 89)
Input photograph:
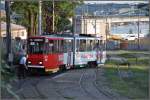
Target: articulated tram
point(53, 53)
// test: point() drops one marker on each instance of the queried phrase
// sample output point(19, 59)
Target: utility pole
point(40, 18)
point(95, 25)
point(138, 30)
point(8, 31)
point(53, 16)
point(84, 17)
point(84, 23)
point(106, 31)
point(74, 25)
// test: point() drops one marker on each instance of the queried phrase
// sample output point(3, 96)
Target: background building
point(90, 25)
point(16, 31)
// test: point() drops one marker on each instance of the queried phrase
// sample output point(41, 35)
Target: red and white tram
point(52, 52)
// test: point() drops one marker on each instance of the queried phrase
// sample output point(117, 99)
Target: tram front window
point(35, 47)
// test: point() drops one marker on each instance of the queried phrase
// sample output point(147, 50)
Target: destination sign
point(36, 40)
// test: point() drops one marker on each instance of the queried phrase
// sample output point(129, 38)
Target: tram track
point(57, 90)
point(94, 84)
point(55, 84)
point(34, 84)
point(87, 82)
point(94, 81)
point(61, 90)
point(100, 90)
point(83, 88)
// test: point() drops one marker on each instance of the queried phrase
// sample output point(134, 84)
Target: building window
point(22, 33)
point(17, 34)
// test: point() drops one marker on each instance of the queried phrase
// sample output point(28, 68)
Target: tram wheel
point(62, 68)
point(92, 64)
point(67, 67)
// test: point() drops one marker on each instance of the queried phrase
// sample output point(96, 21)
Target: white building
point(16, 31)
point(90, 25)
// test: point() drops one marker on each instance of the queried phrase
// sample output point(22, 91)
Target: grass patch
point(111, 62)
point(127, 51)
point(135, 87)
point(69, 98)
point(126, 55)
point(132, 58)
point(139, 61)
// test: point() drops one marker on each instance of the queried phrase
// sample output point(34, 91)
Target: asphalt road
point(77, 84)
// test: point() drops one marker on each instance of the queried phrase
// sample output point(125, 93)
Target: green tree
point(63, 11)
point(7, 76)
point(29, 13)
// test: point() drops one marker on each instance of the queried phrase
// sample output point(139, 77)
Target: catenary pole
point(53, 16)
point(40, 18)
point(8, 29)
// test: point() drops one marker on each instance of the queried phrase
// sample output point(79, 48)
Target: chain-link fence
point(144, 44)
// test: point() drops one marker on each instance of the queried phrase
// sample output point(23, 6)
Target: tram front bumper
point(35, 66)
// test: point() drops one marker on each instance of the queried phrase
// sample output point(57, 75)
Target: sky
point(118, 2)
point(100, 1)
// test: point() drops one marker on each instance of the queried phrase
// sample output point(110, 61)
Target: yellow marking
point(52, 70)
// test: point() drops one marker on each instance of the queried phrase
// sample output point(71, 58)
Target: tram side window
point(90, 44)
point(46, 48)
point(102, 47)
point(82, 45)
point(77, 45)
point(95, 44)
point(57, 46)
point(54, 46)
point(50, 47)
point(98, 45)
point(61, 46)
point(68, 45)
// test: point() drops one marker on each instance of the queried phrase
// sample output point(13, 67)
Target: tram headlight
point(40, 62)
point(29, 62)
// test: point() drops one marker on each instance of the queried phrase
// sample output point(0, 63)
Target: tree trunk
point(35, 24)
point(29, 27)
point(31, 24)
point(49, 24)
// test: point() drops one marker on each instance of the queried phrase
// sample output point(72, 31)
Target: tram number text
point(87, 56)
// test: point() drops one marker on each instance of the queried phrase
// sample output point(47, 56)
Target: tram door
point(68, 53)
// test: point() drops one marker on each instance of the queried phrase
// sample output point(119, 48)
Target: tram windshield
point(36, 46)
